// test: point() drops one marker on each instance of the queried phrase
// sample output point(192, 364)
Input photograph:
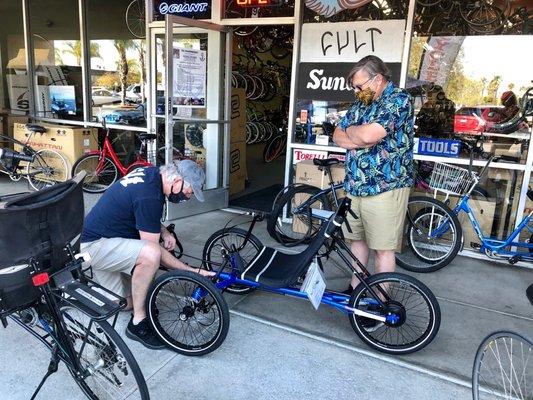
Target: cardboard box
point(7, 122)
point(308, 173)
point(237, 167)
point(71, 141)
point(238, 116)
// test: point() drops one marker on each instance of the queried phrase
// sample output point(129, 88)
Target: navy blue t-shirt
point(132, 204)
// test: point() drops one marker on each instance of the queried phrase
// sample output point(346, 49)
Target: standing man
point(377, 133)
point(122, 234)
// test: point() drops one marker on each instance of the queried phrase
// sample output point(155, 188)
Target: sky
point(507, 56)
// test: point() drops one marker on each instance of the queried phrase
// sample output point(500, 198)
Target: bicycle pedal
point(514, 259)
point(475, 245)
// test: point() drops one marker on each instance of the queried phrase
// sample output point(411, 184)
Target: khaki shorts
point(380, 219)
point(112, 261)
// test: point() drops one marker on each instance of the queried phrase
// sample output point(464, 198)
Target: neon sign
point(185, 8)
point(257, 3)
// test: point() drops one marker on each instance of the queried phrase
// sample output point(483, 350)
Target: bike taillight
point(40, 279)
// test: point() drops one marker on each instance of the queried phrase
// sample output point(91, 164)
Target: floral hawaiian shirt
point(388, 165)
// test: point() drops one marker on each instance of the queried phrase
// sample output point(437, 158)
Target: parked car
point(133, 93)
point(104, 96)
point(473, 119)
point(125, 115)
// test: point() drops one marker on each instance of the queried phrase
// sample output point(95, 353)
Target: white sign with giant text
point(350, 41)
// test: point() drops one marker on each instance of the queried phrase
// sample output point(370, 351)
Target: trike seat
point(328, 162)
point(276, 269)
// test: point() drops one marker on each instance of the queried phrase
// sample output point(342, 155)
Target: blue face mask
point(179, 197)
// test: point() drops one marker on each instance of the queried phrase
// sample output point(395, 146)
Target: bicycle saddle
point(326, 163)
point(147, 136)
point(36, 128)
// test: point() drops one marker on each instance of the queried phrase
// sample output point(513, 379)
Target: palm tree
point(74, 48)
point(122, 46)
point(139, 46)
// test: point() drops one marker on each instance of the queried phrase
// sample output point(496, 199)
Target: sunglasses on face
point(358, 88)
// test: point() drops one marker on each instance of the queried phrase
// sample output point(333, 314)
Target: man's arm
point(341, 139)
point(366, 135)
point(167, 259)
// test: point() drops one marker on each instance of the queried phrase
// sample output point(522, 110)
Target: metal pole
point(407, 42)
point(169, 75)
point(227, 108)
point(30, 64)
point(85, 61)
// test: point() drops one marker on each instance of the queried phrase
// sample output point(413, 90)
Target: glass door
point(189, 91)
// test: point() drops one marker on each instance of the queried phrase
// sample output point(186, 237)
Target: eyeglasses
point(358, 88)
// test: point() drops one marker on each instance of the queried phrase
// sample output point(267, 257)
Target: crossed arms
point(360, 136)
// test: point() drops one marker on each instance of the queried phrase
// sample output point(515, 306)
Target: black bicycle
point(296, 203)
point(45, 290)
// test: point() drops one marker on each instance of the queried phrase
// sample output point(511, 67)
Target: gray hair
point(372, 65)
point(170, 171)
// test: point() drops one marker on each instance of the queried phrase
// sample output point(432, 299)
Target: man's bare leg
point(146, 267)
point(361, 251)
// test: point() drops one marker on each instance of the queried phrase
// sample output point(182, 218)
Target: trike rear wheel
point(188, 313)
point(416, 308)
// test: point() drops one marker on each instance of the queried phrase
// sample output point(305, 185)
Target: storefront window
point(57, 59)
point(464, 92)
point(318, 11)
point(117, 66)
point(14, 84)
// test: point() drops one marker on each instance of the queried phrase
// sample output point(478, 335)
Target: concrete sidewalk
point(279, 347)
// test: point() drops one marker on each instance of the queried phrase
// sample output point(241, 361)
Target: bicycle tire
point(412, 259)
point(379, 338)
point(135, 19)
point(428, 3)
point(47, 168)
point(96, 181)
point(509, 367)
point(189, 308)
point(221, 239)
point(274, 148)
point(114, 354)
point(279, 231)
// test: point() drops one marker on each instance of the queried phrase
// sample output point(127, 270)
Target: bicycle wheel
point(219, 244)
point(433, 236)
point(135, 19)
point(47, 168)
point(108, 368)
point(188, 313)
point(273, 148)
point(101, 172)
point(503, 367)
point(302, 229)
point(416, 307)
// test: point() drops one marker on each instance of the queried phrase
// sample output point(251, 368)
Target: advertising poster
point(190, 72)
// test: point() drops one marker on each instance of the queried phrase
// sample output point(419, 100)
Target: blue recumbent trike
point(391, 312)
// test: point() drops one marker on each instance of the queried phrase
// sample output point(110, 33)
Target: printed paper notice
point(190, 71)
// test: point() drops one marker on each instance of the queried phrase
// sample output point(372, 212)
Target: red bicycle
point(103, 167)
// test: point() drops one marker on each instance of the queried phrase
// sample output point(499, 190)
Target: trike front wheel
point(412, 313)
point(188, 313)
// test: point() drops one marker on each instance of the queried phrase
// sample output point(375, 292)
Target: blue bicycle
point(433, 232)
point(391, 312)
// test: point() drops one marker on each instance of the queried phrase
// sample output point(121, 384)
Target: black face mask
point(179, 197)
